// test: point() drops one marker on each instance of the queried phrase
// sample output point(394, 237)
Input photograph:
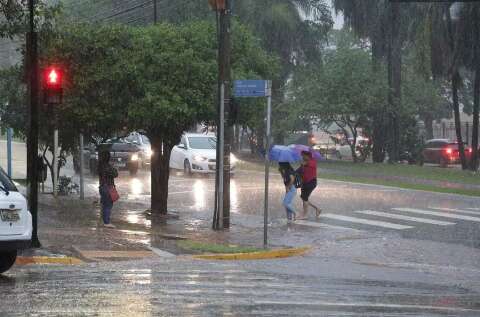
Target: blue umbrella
point(281, 153)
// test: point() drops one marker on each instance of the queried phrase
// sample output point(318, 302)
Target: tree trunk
point(378, 118)
point(378, 139)
point(456, 111)
point(476, 106)
point(395, 80)
point(160, 173)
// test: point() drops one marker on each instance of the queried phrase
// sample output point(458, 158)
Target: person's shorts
point(307, 189)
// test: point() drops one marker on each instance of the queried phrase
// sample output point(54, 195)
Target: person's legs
point(307, 190)
point(287, 202)
point(107, 205)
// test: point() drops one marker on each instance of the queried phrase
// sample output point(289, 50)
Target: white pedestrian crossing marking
point(366, 221)
point(474, 209)
point(468, 212)
point(438, 214)
point(402, 217)
point(320, 225)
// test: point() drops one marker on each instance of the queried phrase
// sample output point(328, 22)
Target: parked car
point(143, 143)
point(443, 152)
point(196, 153)
point(123, 156)
point(343, 150)
point(15, 222)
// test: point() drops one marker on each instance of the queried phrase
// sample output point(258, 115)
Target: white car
point(15, 222)
point(196, 153)
point(344, 151)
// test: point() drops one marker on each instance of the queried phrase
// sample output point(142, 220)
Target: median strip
point(257, 255)
point(24, 260)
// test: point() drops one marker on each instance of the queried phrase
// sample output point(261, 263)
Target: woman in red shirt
point(309, 183)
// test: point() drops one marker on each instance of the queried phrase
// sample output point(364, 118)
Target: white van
point(15, 222)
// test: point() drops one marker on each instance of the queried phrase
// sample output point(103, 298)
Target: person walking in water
point(308, 170)
point(106, 176)
point(288, 176)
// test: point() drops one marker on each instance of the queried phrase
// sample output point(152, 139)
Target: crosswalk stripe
point(402, 217)
point(367, 222)
point(474, 209)
point(320, 225)
point(468, 212)
point(438, 214)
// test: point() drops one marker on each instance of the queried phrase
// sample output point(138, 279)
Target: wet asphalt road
point(416, 215)
point(183, 287)
point(422, 262)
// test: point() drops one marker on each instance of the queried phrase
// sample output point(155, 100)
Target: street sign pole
point(267, 171)
point(260, 88)
point(9, 151)
point(82, 185)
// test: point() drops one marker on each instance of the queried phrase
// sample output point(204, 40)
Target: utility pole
point(32, 140)
point(222, 205)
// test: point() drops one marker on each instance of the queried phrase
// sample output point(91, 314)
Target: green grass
point(399, 184)
point(369, 173)
point(433, 173)
point(215, 248)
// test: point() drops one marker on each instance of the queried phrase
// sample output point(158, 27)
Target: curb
point(24, 260)
point(260, 255)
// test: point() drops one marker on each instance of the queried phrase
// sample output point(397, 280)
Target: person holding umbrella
point(288, 175)
point(285, 155)
point(308, 170)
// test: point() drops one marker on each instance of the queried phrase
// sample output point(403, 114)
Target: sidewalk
point(72, 227)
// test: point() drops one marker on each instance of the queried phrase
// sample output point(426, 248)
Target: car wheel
point(443, 162)
point(187, 169)
point(7, 259)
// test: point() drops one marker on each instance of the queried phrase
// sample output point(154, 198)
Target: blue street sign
point(251, 88)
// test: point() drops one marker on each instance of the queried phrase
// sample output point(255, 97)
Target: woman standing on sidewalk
point(287, 173)
point(308, 170)
point(106, 176)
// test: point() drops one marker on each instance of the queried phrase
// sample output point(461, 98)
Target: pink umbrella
point(299, 148)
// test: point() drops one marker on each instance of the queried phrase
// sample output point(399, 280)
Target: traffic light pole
point(222, 205)
point(32, 139)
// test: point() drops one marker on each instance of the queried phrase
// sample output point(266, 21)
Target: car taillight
point(448, 151)
point(470, 150)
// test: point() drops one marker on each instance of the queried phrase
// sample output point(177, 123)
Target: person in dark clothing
point(287, 173)
point(308, 170)
point(106, 176)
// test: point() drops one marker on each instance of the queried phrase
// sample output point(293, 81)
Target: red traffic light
point(52, 85)
point(53, 77)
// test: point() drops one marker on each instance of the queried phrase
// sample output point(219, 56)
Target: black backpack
point(298, 179)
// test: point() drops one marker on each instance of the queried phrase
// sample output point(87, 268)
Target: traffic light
point(52, 85)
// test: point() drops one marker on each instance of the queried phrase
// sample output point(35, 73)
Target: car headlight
point(233, 159)
point(134, 157)
point(148, 153)
point(199, 158)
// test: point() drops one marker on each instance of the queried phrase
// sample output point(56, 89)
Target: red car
point(443, 152)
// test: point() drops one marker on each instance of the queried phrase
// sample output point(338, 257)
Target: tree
point(342, 92)
point(384, 25)
point(176, 75)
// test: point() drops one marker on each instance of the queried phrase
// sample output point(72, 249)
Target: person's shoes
point(302, 218)
point(318, 211)
point(109, 225)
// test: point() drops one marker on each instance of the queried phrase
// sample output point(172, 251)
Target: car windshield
point(145, 139)
point(203, 143)
point(5, 181)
